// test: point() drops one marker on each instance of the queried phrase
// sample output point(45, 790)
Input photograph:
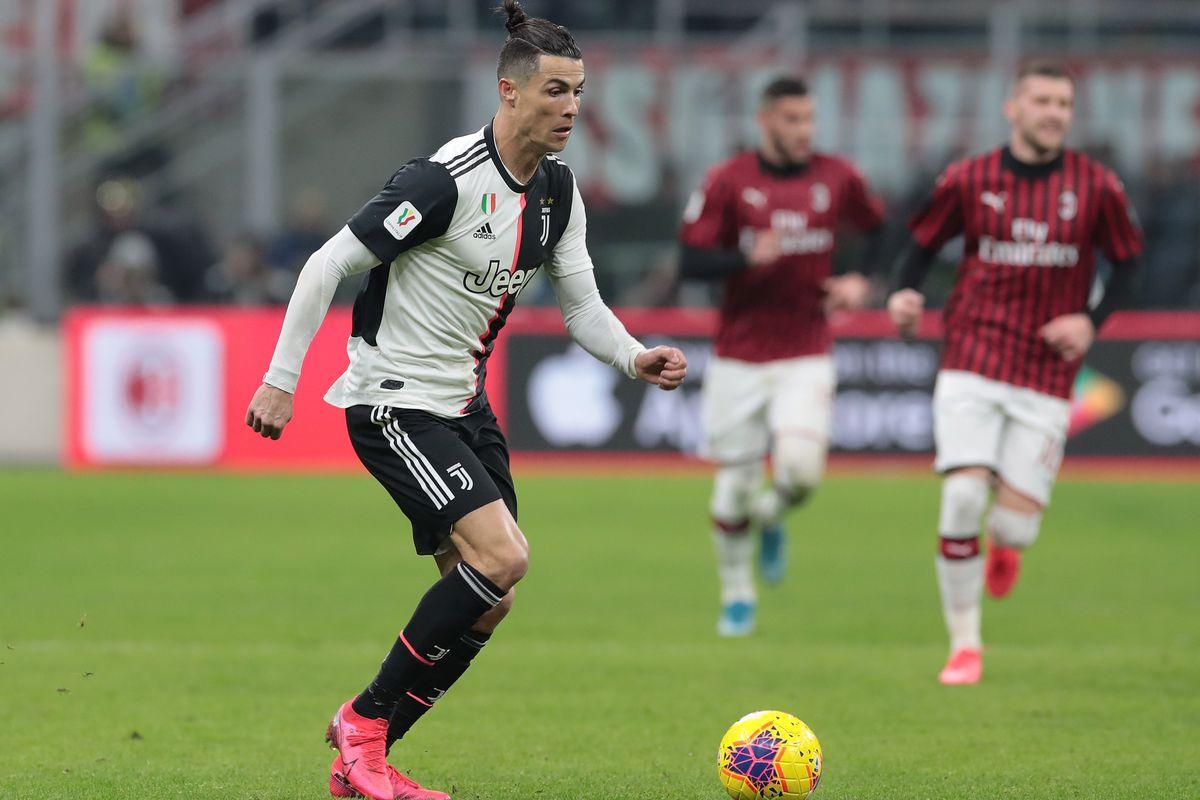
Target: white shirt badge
point(402, 221)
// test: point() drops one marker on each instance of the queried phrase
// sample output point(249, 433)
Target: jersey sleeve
point(863, 209)
point(709, 218)
point(1118, 232)
point(941, 218)
point(570, 254)
point(413, 207)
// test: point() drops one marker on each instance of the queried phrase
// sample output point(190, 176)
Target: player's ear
point(1010, 108)
point(508, 90)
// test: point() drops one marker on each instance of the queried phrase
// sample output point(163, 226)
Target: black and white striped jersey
point(457, 238)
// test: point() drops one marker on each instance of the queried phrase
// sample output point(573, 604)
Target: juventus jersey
point(457, 238)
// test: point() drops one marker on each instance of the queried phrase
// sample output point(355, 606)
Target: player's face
point(548, 102)
point(1040, 111)
point(787, 125)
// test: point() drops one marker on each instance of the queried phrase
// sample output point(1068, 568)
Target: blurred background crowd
point(197, 151)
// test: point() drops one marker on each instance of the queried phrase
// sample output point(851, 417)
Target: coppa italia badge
point(488, 204)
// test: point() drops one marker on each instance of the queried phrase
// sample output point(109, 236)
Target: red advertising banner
point(170, 388)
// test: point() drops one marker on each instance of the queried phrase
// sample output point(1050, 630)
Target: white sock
point(771, 503)
point(961, 583)
point(768, 507)
point(735, 555)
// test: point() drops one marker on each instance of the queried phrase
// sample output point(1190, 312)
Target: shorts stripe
point(408, 444)
point(394, 438)
point(488, 596)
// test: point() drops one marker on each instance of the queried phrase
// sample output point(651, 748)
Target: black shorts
point(437, 470)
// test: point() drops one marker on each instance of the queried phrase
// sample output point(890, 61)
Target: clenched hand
point(666, 367)
point(270, 409)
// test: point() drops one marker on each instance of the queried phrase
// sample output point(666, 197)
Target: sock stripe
point(415, 654)
point(473, 642)
point(955, 549)
point(419, 700)
point(732, 528)
point(469, 574)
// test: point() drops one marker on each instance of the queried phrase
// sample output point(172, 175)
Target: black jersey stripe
point(467, 154)
point(458, 172)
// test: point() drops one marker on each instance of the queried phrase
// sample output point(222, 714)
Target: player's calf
point(1009, 532)
point(959, 566)
point(733, 488)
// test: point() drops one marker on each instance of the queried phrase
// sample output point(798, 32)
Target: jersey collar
point(490, 139)
point(1023, 170)
point(782, 170)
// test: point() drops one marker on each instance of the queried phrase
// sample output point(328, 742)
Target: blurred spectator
point(180, 250)
point(1171, 216)
point(129, 273)
point(122, 88)
point(244, 277)
point(303, 234)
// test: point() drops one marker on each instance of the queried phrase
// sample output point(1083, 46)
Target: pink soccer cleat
point(361, 744)
point(1001, 566)
point(964, 667)
point(403, 787)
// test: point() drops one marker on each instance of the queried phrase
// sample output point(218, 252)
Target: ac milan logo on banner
point(488, 204)
point(150, 388)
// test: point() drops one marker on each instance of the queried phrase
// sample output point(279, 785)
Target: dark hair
point(529, 38)
point(785, 86)
point(1046, 68)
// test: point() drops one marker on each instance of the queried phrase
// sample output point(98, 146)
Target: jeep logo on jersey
point(402, 221)
point(497, 281)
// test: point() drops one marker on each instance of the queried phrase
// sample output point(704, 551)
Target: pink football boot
point(403, 787)
point(964, 667)
point(361, 744)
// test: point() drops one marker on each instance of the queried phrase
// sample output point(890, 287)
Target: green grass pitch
point(187, 636)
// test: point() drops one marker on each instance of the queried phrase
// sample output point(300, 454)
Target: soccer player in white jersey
point(448, 244)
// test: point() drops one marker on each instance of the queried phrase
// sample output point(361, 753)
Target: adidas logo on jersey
point(484, 232)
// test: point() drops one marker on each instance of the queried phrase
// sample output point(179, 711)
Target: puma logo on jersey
point(497, 281)
point(402, 221)
point(994, 200)
point(484, 232)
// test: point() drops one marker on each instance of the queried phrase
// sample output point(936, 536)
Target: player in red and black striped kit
point(764, 224)
point(1017, 326)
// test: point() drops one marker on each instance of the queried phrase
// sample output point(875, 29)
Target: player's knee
point(964, 498)
point(505, 563)
point(1011, 528)
point(733, 489)
point(488, 622)
point(799, 464)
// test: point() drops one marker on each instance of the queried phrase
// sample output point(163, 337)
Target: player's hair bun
point(516, 15)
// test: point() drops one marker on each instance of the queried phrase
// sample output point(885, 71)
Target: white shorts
point(746, 405)
point(1015, 432)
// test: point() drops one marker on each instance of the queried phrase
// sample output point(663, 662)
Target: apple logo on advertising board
point(571, 399)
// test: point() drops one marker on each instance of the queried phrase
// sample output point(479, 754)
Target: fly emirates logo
point(796, 238)
point(1028, 247)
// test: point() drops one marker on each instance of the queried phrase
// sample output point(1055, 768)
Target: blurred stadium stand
point(164, 153)
point(240, 132)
